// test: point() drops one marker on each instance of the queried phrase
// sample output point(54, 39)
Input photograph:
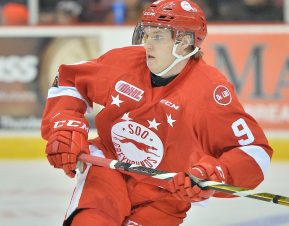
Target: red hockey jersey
point(169, 127)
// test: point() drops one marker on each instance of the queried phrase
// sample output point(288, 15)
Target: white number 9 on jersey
point(241, 129)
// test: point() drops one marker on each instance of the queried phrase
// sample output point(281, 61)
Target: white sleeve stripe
point(259, 155)
point(67, 91)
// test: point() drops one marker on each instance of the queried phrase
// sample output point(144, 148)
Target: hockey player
point(165, 108)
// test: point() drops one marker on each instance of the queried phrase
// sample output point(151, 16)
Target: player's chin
point(153, 66)
point(153, 70)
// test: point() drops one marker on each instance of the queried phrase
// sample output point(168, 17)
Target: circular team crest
point(222, 95)
point(136, 144)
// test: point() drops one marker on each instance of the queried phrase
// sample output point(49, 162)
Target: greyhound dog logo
point(137, 144)
point(140, 146)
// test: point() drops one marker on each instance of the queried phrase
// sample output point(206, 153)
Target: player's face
point(158, 43)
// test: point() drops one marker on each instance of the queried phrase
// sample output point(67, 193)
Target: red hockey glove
point(69, 132)
point(207, 168)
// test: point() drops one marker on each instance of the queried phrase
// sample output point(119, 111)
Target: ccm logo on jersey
point(129, 90)
point(169, 104)
point(70, 123)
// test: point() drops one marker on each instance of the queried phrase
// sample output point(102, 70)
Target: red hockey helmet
point(178, 15)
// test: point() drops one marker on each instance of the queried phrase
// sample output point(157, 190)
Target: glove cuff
point(214, 169)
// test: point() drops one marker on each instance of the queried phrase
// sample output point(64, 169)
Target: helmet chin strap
point(178, 59)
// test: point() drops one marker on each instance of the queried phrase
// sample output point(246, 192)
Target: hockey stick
point(204, 184)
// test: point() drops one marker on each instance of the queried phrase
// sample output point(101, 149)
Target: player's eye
point(153, 37)
point(157, 37)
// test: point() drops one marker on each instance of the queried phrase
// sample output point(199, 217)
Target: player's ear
point(186, 43)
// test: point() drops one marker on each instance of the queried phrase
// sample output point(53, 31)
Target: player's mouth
point(150, 57)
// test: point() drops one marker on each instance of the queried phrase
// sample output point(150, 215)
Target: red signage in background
point(258, 67)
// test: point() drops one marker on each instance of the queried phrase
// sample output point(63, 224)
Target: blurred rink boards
point(31, 146)
point(255, 58)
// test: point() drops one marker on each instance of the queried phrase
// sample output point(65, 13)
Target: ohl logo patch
point(129, 90)
point(136, 144)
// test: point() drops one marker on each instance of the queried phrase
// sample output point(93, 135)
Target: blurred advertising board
point(254, 58)
point(29, 58)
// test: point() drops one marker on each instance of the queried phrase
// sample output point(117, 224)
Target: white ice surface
point(33, 193)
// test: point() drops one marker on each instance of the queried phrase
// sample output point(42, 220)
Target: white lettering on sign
point(275, 113)
point(18, 68)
